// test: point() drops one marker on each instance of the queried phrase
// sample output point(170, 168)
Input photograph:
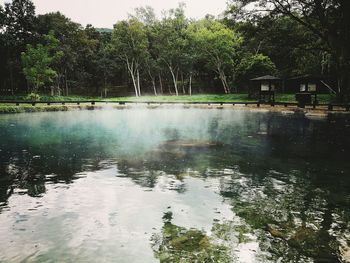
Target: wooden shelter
point(310, 86)
point(264, 87)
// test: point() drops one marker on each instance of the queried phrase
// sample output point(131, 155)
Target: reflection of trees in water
point(30, 169)
point(288, 174)
point(292, 214)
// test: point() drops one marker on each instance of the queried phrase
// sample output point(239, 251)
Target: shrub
point(32, 97)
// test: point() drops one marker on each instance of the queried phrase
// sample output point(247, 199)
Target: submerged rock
point(178, 244)
point(275, 231)
point(310, 243)
point(190, 143)
point(344, 252)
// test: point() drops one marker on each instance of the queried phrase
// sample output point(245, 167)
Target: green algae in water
point(178, 244)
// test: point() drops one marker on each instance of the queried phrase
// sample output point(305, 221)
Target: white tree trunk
point(130, 67)
point(174, 79)
point(138, 82)
point(161, 84)
point(134, 83)
point(153, 79)
point(223, 81)
point(154, 87)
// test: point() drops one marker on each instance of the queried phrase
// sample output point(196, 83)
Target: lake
point(174, 185)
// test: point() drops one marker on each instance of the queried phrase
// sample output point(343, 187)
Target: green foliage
point(216, 45)
point(37, 62)
point(252, 66)
point(177, 244)
point(319, 33)
point(173, 54)
point(18, 18)
point(129, 43)
point(32, 97)
point(28, 108)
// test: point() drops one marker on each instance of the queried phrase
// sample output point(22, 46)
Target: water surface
point(174, 185)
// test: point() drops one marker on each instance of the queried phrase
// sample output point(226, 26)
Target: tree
point(129, 41)
point(252, 66)
point(328, 20)
point(170, 42)
point(17, 20)
point(217, 45)
point(147, 16)
point(37, 62)
point(73, 43)
point(191, 58)
point(293, 49)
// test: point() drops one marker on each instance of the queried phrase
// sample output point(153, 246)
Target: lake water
point(174, 185)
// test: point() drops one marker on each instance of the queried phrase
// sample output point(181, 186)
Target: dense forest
point(173, 54)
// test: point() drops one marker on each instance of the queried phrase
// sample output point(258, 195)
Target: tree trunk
point(154, 87)
point(65, 77)
point(161, 84)
point(153, 79)
point(223, 81)
point(174, 79)
point(190, 85)
point(134, 83)
point(183, 83)
point(138, 82)
point(131, 71)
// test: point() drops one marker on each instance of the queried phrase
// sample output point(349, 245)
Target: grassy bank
point(323, 98)
point(28, 108)
point(11, 108)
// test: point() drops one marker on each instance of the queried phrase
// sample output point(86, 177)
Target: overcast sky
point(105, 13)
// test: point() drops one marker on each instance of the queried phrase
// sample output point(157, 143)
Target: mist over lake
point(170, 184)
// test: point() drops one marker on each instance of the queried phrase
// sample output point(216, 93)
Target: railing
point(329, 106)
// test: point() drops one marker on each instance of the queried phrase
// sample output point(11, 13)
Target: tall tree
point(170, 42)
point(17, 20)
point(37, 62)
point(129, 41)
point(328, 20)
point(217, 45)
point(147, 16)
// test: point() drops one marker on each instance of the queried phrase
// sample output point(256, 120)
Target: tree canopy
point(174, 54)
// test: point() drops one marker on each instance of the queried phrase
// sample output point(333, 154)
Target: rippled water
point(174, 185)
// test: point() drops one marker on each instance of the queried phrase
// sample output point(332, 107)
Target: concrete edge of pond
point(310, 113)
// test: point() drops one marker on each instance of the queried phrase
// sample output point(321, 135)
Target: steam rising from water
point(97, 184)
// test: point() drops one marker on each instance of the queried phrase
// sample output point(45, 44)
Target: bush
point(32, 97)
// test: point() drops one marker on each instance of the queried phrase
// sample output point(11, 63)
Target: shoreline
point(290, 110)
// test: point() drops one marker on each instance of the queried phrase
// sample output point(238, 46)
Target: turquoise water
point(174, 185)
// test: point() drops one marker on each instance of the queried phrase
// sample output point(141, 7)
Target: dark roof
point(310, 77)
point(267, 77)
